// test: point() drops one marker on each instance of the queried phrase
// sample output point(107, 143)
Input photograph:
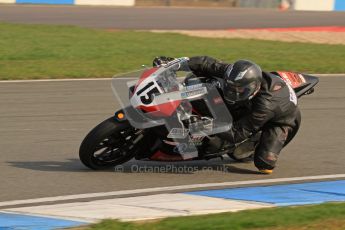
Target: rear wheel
point(109, 144)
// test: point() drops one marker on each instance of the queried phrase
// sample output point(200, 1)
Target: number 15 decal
point(147, 98)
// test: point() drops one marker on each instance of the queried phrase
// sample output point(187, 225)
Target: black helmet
point(242, 81)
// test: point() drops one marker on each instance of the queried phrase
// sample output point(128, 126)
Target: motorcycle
point(164, 118)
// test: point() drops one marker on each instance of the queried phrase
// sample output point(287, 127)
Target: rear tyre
point(109, 144)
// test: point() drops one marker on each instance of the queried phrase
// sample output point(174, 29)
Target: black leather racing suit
point(273, 110)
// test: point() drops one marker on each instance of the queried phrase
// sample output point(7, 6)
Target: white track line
point(118, 78)
point(166, 189)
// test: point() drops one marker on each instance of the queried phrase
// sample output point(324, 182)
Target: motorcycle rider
point(258, 101)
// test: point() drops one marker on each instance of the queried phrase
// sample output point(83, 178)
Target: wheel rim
point(116, 147)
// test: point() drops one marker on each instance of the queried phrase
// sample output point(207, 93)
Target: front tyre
point(109, 144)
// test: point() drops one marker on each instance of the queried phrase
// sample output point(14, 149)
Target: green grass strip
point(251, 219)
point(49, 51)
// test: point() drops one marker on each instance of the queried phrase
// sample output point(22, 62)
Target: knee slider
point(267, 160)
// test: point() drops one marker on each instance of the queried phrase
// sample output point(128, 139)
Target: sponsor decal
point(193, 87)
point(193, 93)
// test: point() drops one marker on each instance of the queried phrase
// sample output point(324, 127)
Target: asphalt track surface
point(166, 18)
point(43, 123)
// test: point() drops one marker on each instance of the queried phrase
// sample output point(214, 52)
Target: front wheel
point(109, 144)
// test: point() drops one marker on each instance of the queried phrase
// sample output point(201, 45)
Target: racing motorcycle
point(169, 114)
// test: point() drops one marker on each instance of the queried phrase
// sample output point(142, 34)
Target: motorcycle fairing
point(302, 84)
point(293, 79)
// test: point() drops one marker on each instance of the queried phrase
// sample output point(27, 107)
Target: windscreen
point(176, 96)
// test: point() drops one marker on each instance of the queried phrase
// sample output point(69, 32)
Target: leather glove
point(161, 60)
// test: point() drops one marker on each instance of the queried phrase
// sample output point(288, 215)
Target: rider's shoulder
point(272, 82)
